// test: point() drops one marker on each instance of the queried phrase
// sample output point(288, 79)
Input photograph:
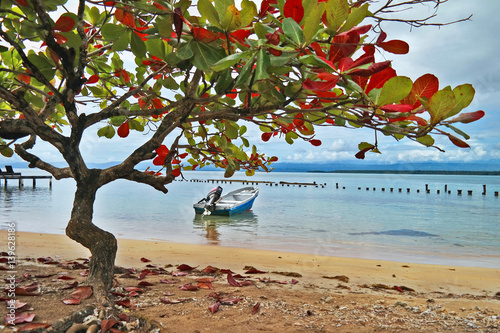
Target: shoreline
point(314, 268)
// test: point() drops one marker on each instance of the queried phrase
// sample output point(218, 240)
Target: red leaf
point(373, 69)
point(124, 16)
point(146, 259)
point(107, 324)
point(178, 22)
point(318, 85)
point(377, 80)
point(125, 76)
point(188, 287)
point(33, 326)
point(315, 142)
point(344, 45)
point(124, 302)
point(294, 9)
point(398, 289)
point(22, 318)
point(256, 308)
point(145, 284)
point(381, 37)
point(424, 86)
point(397, 108)
point(160, 7)
point(395, 46)
point(361, 154)
point(204, 35)
point(457, 142)
point(25, 78)
point(232, 281)
point(468, 117)
point(265, 7)
point(214, 308)
point(64, 24)
point(92, 79)
point(82, 292)
point(176, 172)
point(230, 301)
point(162, 150)
point(22, 3)
point(266, 136)
point(72, 301)
point(205, 285)
point(65, 277)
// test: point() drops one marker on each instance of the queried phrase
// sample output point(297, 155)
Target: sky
point(460, 53)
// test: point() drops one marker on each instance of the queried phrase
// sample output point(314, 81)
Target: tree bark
point(102, 244)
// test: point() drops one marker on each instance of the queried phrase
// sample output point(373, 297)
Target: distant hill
point(426, 167)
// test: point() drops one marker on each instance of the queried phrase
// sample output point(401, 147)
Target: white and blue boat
point(237, 201)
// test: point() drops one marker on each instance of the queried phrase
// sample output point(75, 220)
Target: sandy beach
point(284, 292)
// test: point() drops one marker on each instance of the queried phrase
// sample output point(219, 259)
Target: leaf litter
point(221, 298)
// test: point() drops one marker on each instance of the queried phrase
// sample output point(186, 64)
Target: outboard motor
point(212, 197)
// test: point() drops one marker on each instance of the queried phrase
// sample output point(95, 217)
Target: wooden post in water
point(445, 187)
point(459, 192)
point(470, 192)
point(484, 189)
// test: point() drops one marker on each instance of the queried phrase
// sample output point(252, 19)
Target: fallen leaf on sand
point(82, 292)
point(342, 278)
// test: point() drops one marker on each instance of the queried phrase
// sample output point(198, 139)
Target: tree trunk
point(102, 244)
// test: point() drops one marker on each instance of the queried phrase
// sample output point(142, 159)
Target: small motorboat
point(237, 201)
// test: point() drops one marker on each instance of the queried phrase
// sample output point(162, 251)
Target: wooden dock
point(256, 182)
point(20, 178)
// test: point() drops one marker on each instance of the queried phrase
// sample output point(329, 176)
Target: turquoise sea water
point(354, 219)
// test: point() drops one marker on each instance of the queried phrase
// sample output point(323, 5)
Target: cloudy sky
point(460, 53)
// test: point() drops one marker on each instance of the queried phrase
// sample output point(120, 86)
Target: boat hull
point(223, 208)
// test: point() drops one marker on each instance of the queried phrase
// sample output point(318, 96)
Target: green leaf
point(222, 5)
point(185, 51)
point(228, 61)
point(458, 131)
point(426, 140)
point(231, 20)
point(205, 55)
point(394, 90)
point(441, 104)
point(122, 42)
point(357, 15)
point(231, 130)
point(244, 74)
point(337, 12)
point(293, 31)
point(107, 131)
point(224, 82)
point(263, 64)
point(248, 12)
point(464, 94)
point(44, 64)
point(164, 26)
point(156, 47)
point(208, 11)
point(312, 22)
point(112, 32)
point(137, 45)
point(6, 151)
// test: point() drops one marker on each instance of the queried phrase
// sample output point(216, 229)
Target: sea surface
point(347, 215)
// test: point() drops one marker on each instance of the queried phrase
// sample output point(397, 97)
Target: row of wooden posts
point(427, 190)
point(323, 185)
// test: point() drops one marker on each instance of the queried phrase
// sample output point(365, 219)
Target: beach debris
point(256, 308)
point(252, 270)
point(124, 302)
point(72, 301)
point(107, 324)
point(82, 292)
point(342, 278)
point(33, 326)
point(232, 281)
point(184, 267)
point(214, 307)
point(171, 301)
point(210, 270)
point(145, 259)
point(20, 318)
point(291, 274)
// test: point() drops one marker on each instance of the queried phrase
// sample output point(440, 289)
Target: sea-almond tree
point(192, 76)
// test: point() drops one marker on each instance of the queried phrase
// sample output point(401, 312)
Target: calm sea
point(350, 216)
